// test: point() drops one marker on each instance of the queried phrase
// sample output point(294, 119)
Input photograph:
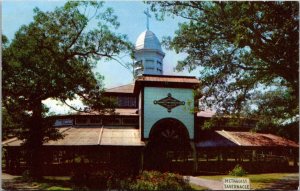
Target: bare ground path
point(211, 184)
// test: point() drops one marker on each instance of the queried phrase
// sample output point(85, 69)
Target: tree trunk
point(34, 142)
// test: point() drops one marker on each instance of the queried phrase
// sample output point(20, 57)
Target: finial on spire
point(148, 16)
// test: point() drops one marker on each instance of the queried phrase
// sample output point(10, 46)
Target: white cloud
point(60, 108)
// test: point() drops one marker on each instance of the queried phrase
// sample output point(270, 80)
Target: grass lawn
point(196, 187)
point(267, 181)
point(272, 181)
point(47, 183)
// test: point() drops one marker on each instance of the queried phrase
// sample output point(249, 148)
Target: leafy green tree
point(247, 53)
point(53, 57)
point(10, 127)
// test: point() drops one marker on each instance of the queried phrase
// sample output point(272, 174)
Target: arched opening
point(168, 148)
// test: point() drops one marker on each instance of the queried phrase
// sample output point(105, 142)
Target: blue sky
point(132, 23)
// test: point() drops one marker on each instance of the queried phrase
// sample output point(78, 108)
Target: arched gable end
point(169, 131)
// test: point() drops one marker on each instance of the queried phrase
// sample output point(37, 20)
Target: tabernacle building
point(157, 126)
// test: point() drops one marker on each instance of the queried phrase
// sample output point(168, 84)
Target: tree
point(53, 57)
point(247, 53)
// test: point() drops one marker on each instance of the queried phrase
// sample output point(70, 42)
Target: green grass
point(60, 178)
point(58, 188)
point(53, 183)
point(258, 181)
point(196, 187)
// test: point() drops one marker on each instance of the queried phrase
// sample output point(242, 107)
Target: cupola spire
point(148, 16)
point(148, 54)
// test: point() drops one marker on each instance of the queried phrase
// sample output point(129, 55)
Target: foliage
point(247, 53)
point(11, 127)
point(53, 57)
point(237, 171)
point(154, 180)
point(26, 176)
point(104, 179)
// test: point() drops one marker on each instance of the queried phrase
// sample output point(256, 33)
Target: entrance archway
point(168, 146)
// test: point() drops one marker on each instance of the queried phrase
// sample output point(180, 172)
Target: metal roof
point(243, 139)
point(258, 139)
point(168, 78)
point(206, 113)
point(121, 89)
point(12, 142)
point(147, 40)
point(118, 111)
point(87, 136)
point(121, 137)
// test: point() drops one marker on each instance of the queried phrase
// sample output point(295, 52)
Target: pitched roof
point(117, 111)
point(148, 40)
point(168, 78)
point(206, 113)
point(121, 89)
point(165, 81)
point(258, 139)
point(243, 139)
point(101, 136)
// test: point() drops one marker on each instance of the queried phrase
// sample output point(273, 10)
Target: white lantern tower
point(148, 53)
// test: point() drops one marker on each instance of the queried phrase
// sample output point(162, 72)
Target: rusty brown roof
point(121, 89)
point(84, 136)
point(258, 139)
point(168, 78)
point(244, 139)
point(211, 139)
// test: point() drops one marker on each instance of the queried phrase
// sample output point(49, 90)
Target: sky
point(132, 23)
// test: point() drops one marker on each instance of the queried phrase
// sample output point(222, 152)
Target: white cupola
point(148, 53)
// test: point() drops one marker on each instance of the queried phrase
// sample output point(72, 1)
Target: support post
point(195, 158)
point(142, 163)
point(253, 155)
point(7, 160)
point(142, 160)
point(295, 158)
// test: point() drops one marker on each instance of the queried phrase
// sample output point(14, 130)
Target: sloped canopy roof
point(243, 139)
point(88, 136)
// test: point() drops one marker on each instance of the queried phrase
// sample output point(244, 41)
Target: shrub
point(154, 180)
point(104, 179)
point(27, 176)
point(237, 171)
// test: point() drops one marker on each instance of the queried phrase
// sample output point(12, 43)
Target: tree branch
point(72, 107)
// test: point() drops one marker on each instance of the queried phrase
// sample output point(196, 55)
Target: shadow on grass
point(20, 183)
point(288, 183)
